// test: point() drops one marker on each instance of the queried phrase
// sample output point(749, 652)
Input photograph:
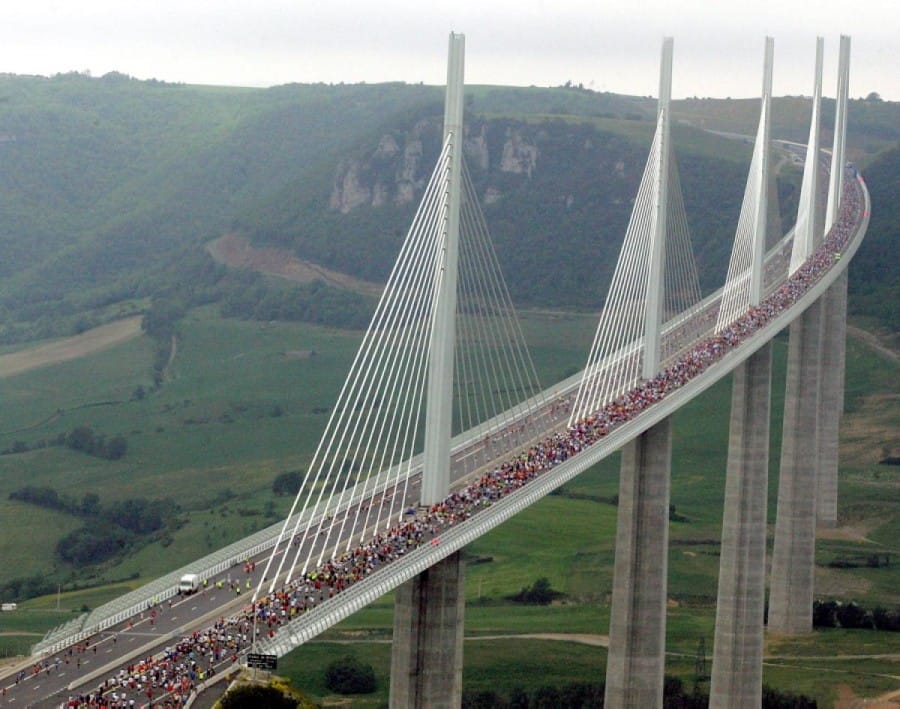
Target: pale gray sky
point(718, 45)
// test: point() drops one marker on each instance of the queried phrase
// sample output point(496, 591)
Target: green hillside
point(874, 283)
point(111, 190)
point(110, 187)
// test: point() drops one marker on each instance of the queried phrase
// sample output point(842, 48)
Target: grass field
point(215, 437)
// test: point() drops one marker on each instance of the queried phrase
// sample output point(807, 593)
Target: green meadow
point(247, 401)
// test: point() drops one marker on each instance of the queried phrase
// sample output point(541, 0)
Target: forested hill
point(556, 194)
point(110, 188)
point(874, 283)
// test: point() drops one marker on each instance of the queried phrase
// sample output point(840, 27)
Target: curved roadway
point(165, 618)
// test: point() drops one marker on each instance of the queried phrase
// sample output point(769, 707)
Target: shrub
point(852, 615)
point(825, 614)
point(540, 594)
point(776, 699)
point(287, 483)
point(91, 545)
point(252, 696)
point(348, 675)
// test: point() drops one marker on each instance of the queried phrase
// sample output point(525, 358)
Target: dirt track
point(99, 338)
point(237, 252)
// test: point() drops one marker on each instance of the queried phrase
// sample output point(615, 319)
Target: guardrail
point(362, 593)
point(165, 587)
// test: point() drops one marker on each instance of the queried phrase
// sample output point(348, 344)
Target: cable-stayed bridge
point(392, 496)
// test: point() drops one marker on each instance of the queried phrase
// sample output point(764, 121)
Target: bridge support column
point(637, 629)
point(793, 556)
point(427, 650)
point(831, 393)
point(737, 654)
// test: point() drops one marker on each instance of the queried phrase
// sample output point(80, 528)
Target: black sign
point(262, 662)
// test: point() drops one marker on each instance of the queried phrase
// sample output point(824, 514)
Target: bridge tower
point(806, 234)
point(736, 679)
point(426, 656)
point(834, 318)
point(793, 555)
point(637, 632)
point(653, 315)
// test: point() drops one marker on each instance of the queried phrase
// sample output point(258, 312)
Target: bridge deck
point(440, 542)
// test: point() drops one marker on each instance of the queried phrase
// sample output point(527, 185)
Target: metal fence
point(368, 590)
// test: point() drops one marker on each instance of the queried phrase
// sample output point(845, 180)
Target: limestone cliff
point(395, 170)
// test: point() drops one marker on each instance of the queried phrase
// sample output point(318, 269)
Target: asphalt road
point(83, 668)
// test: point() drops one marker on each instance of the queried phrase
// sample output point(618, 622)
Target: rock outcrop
point(396, 170)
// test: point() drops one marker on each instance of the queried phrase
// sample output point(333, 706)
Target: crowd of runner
point(167, 680)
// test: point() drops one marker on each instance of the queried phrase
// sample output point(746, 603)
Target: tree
point(90, 504)
point(91, 545)
point(116, 448)
point(19, 447)
point(581, 695)
point(81, 438)
point(851, 615)
point(42, 496)
point(518, 698)
point(348, 675)
point(874, 96)
point(540, 593)
point(138, 514)
point(252, 696)
point(884, 619)
point(160, 319)
point(484, 699)
point(546, 698)
point(776, 699)
point(287, 483)
point(824, 614)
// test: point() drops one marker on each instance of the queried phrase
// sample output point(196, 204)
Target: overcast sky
point(607, 46)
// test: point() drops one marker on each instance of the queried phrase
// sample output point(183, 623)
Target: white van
point(188, 584)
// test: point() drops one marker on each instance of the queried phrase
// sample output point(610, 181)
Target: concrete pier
point(737, 653)
point(637, 632)
point(793, 556)
point(831, 393)
point(427, 651)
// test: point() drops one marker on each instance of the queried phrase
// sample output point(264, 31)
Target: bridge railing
point(331, 611)
point(165, 587)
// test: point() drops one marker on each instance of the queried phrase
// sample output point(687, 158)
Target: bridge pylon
point(637, 633)
point(653, 314)
point(807, 234)
point(736, 679)
point(427, 648)
point(744, 283)
point(834, 336)
point(794, 550)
